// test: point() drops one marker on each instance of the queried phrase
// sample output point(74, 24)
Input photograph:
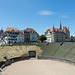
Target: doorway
point(32, 54)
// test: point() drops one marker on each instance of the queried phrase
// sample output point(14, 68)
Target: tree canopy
point(42, 38)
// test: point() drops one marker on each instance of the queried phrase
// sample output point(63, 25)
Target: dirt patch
point(16, 51)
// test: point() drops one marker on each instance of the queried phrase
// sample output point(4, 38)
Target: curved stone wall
point(70, 61)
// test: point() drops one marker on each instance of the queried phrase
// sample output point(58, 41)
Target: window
point(48, 31)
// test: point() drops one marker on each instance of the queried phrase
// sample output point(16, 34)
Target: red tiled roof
point(65, 30)
point(55, 29)
point(12, 30)
point(20, 32)
point(32, 31)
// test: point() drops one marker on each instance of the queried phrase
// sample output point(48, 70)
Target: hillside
point(16, 51)
point(67, 50)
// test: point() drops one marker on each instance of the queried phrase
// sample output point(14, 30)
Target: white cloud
point(64, 16)
point(46, 13)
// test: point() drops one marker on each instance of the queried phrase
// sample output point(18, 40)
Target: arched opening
point(32, 54)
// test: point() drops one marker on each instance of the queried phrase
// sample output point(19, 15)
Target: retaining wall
point(12, 60)
point(70, 61)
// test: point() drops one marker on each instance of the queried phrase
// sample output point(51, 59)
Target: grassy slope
point(71, 55)
point(16, 51)
point(49, 49)
point(60, 52)
point(63, 49)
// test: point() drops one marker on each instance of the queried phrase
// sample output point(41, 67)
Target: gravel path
point(39, 67)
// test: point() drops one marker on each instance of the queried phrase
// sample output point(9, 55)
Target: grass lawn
point(60, 51)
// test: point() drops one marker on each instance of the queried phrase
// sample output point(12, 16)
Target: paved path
point(39, 67)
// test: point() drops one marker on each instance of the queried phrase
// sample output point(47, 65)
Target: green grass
point(57, 50)
point(71, 55)
point(62, 50)
point(49, 49)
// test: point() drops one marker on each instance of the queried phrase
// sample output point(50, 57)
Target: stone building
point(57, 35)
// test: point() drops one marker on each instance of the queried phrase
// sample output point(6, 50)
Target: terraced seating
point(42, 45)
point(71, 55)
point(63, 50)
point(51, 48)
point(66, 50)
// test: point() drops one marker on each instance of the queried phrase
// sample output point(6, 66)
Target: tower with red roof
point(57, 34)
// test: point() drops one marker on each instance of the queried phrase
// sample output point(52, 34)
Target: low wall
point(70, 61)
point(12, 60)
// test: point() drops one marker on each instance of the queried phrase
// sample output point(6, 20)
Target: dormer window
point(48, 31)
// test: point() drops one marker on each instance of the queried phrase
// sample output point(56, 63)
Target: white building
point(57, 35)
point(11, 35)
point(20, 37)
point(9, 39)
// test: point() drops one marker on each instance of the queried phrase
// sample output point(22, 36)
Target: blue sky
point(37, 14)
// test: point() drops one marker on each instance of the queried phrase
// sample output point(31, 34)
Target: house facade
point(20, 37)
point(11, 35)
point(26, 35)
point(1, 34)
point(33, 34)
point(57, 35)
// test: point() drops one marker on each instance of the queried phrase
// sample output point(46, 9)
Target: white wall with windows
point(9, 39)
point(49, 36)
point(48, 39)
point(20, 38)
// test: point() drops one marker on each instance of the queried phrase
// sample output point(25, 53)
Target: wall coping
point(70, 61)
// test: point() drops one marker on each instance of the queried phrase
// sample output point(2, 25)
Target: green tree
point(71, 40)
point(42, 38)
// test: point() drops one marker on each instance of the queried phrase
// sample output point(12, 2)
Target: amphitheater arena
point(46, 66)
point(39, 67)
